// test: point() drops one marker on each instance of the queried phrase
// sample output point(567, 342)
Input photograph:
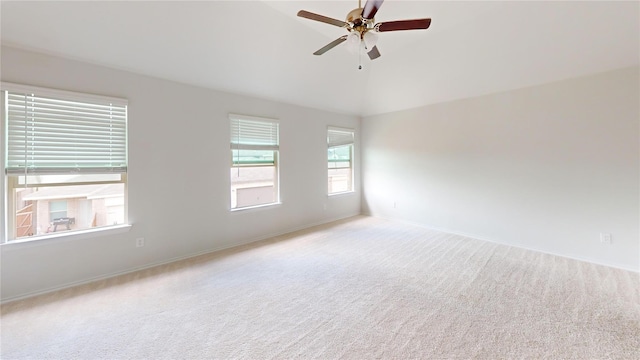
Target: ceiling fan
point(361, 25)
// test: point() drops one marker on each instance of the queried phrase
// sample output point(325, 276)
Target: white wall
point(547, 167)
point(178, 175)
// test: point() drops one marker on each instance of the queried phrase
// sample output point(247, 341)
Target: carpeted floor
point(364, 288)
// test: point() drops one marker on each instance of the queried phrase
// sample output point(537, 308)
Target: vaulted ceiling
point(262, 49)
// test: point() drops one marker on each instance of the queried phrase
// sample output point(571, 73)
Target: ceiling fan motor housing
point(359, 24)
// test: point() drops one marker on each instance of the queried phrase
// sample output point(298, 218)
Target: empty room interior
point(320, 179)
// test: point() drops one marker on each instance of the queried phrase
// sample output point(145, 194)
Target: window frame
point(9, 182)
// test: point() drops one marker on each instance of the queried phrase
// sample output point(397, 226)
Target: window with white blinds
point(340, 160)
point(62, 148)
point(55, 132)
point(254, 161)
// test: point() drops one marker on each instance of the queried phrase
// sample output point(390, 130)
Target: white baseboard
point(472, 236)
point(168, 261)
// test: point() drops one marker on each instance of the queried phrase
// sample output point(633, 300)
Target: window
point(340, 160)
point(254, 161)
point(57, 210)
point(65, 161)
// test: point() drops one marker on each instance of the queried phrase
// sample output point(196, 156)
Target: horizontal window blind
point(49, 134)
point(339, 136)
point(252, 133)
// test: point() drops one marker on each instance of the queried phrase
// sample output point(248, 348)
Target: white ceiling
point(262, 49)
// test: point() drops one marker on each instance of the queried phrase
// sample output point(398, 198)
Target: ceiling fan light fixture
point(353, 41)
point(370, 39)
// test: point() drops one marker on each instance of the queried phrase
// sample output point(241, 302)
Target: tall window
point(340, 159)
point(65, 160)
point(254, 161)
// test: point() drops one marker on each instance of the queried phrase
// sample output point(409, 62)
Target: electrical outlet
point(606, 238)
point(139, 242)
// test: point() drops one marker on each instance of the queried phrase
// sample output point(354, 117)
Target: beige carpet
point(364, 288)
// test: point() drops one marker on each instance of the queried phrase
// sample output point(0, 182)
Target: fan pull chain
point(360, 56)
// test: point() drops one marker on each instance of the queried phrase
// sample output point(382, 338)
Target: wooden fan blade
point(374, 53)
point(371, 8)
point(324, 19)
point(416, 24)
point(331, 45)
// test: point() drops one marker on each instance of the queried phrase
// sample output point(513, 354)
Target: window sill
point(256, 207)
point(341, 193)
point(75, 235)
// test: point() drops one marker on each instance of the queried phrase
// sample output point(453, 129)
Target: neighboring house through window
point(254, 161)
point(65, 160)
point(340, 160)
